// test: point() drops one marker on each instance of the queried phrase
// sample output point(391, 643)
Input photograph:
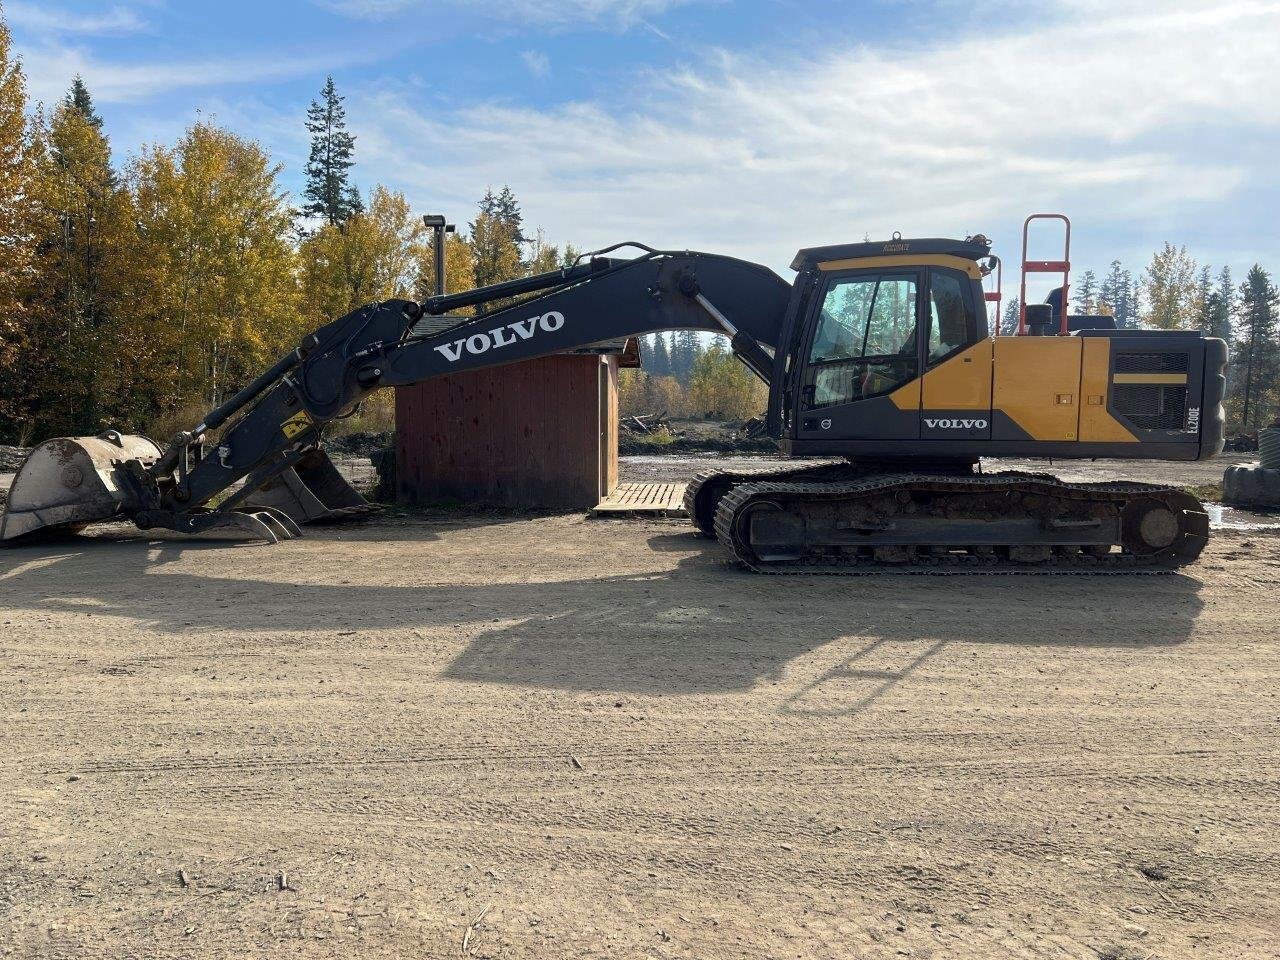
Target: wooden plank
point(664, 499)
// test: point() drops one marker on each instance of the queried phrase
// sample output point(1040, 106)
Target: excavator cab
point(878, 320)
point(892, 357)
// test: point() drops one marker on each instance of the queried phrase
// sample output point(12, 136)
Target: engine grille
point(1152, 362)
point(1152, 406)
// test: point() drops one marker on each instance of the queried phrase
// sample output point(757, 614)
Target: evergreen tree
point(686, 347)
point(329, 189)
point(496, 239)
point(1009, 322)
point(1114, 291)
point(1120, 291)
point(1225, 310)
point(506, 209)
point(83, 229)
point(1204, 301)
point(78, 97)
point(656, 356)
point(1258, 348)
point(1132, 301)
point(1086, 292)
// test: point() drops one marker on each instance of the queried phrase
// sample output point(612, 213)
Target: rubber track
point(1184, 551)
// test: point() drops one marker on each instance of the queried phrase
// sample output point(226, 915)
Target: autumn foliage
point(718, 387)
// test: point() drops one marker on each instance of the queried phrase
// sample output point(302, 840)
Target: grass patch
point(659, 439)
point(1205, 491)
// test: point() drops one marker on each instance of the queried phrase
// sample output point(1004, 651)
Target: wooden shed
point(541, 433)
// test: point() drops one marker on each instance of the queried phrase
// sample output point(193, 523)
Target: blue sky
point(751, 127)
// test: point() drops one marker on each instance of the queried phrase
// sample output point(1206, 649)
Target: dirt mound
point(696, 435)
point(358, 444)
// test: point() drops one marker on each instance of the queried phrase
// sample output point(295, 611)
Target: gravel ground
point(558, 737)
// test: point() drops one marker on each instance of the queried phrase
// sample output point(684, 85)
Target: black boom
point(276, 441)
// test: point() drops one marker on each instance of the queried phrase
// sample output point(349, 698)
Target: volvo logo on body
point(950, 424)
point(478, 343)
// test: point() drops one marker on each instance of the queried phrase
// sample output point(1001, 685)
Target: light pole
point(436, 222)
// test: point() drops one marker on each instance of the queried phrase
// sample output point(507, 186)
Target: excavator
point(886, 388)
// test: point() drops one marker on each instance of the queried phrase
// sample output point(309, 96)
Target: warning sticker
point(298, 423)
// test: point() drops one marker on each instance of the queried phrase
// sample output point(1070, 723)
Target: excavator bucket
point(73, 481)
point(311, 491)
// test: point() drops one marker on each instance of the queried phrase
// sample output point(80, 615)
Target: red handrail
point(993, 296)
point(1062, 266)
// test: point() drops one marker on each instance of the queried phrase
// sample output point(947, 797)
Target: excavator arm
point(274, 443)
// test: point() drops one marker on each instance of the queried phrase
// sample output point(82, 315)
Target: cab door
point(862, 356)
point(955, 402)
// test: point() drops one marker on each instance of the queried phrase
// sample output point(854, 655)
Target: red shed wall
point(542, 433)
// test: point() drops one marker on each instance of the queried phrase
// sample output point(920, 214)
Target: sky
point(750, 128)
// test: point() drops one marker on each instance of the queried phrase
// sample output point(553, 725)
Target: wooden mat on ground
point(664, 499)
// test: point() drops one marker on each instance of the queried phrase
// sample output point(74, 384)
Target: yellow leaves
point(459, 266)
point(640, 393)
point(375, 255)
point(721, 386)
point(210, 268)
point(1169, 285)
point(496, 252)
point(19, 218)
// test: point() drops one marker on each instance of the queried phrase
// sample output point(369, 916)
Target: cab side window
point(865, 343)
point(951, 325)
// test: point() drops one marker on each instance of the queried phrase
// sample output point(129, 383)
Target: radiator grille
point(1152, 406)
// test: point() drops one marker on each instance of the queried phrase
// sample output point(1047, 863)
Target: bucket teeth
point(282, 520)
point(261, 524)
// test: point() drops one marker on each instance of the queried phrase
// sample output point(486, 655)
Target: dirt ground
point(561, 737)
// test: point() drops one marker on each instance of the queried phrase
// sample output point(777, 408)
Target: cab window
point(951, 324)
point(865, 342)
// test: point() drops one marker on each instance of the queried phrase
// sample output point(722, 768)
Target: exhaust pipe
point(71, 482)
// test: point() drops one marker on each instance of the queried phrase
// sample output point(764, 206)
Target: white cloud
point(1141, 127)
point(616, 14)
point(1112, 116)
point(50, 66)
point(366, 9)
point(46, 19)
point(538, 63)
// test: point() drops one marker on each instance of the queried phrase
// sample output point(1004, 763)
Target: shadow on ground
point(699, 627)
